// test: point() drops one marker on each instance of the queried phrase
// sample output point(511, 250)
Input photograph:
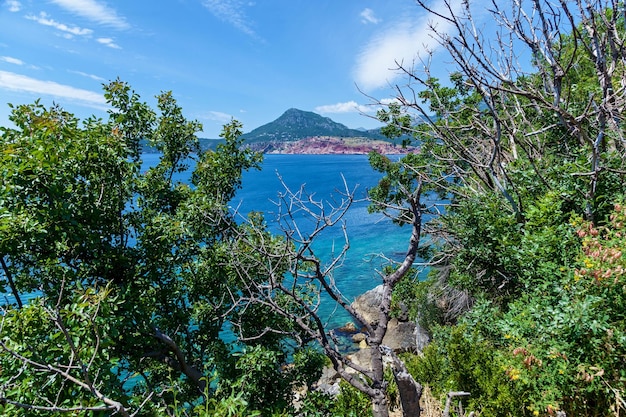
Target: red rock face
point(339, 146)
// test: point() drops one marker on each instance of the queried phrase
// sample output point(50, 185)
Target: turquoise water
point(370, 234)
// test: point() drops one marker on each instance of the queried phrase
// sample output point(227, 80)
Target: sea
point(374, 239)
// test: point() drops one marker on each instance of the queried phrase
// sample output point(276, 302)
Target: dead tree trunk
point(296, 256)
point(409, 389)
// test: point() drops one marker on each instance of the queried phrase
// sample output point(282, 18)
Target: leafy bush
point(348, 403)
point(560, 345)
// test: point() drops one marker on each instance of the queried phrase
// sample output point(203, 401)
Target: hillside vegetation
point(297, 124)
point(526, 295)
point(298, 131)
point(120, 281)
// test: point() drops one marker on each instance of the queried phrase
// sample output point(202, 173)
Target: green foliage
point(461, 361)
point(348, 403)
point(533, 168)
point(79, 214)
point(266, 382)
point(396, 122)
point(556, 332)
point(72, 338)
point(308, 365)
point(560, 344)
point(261, 380)
point(404, 292)
point(422, 302)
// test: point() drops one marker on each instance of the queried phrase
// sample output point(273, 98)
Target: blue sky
point(222, 59)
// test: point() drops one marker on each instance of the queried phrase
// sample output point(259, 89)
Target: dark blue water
point(323, 176)
point(373, 238)
point(370, 235)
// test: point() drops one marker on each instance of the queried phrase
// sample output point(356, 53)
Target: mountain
point(296, 124)
point(302, 132)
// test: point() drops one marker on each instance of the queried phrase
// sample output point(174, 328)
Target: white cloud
point(231, 11)
point(84, 74)
point(388, 101)
point(401, 42)
point(217, 116)
point(108, 42)
point(13, 5)
point(17, 82)
point(95, 11)
point(368, 16)
point(17, 61)
point(11, 60)
point(347, 107)
point(354, 107)
point(69, 31)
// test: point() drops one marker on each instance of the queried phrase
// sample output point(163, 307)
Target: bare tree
point(296, 280)
point(518, 87)
point(535, 60)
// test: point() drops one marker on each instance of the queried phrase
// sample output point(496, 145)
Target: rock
point(328, 382)
point(362, 357)
point(367, 304)
point(402, 335)
point(358, 338)
point(349, 328)
point(422, 338)
point(404, 312)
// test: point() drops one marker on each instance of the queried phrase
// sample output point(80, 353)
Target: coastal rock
point(402, 335)
point(367, 304)
point(421, 337)
point(358, 338)
point(328, 382)
point(362, 357)
point(349, 328)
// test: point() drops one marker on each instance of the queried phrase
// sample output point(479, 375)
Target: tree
point(125, 262)
point(499, 109)
point(293, 278)
point(526, 140)
point(525, 258)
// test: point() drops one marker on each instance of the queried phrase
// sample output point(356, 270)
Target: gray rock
point(367, 304)
point(402, 335)
point(358, 338)
point(422, 338)
point(328, 382)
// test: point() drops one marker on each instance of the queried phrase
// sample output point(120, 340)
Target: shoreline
point(328, 145)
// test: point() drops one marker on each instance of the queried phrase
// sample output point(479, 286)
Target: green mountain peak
point(295, 124)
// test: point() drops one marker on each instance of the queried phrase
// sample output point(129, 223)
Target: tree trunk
point(410, 393)
point(9, 276)
point(380, 406)
point(410, 390)
point(179, 363)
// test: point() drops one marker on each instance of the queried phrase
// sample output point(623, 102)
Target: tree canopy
point(125, 265)
point(120, 280)
point(524, 297)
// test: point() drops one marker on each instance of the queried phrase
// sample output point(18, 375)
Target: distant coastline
point(329, 145)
